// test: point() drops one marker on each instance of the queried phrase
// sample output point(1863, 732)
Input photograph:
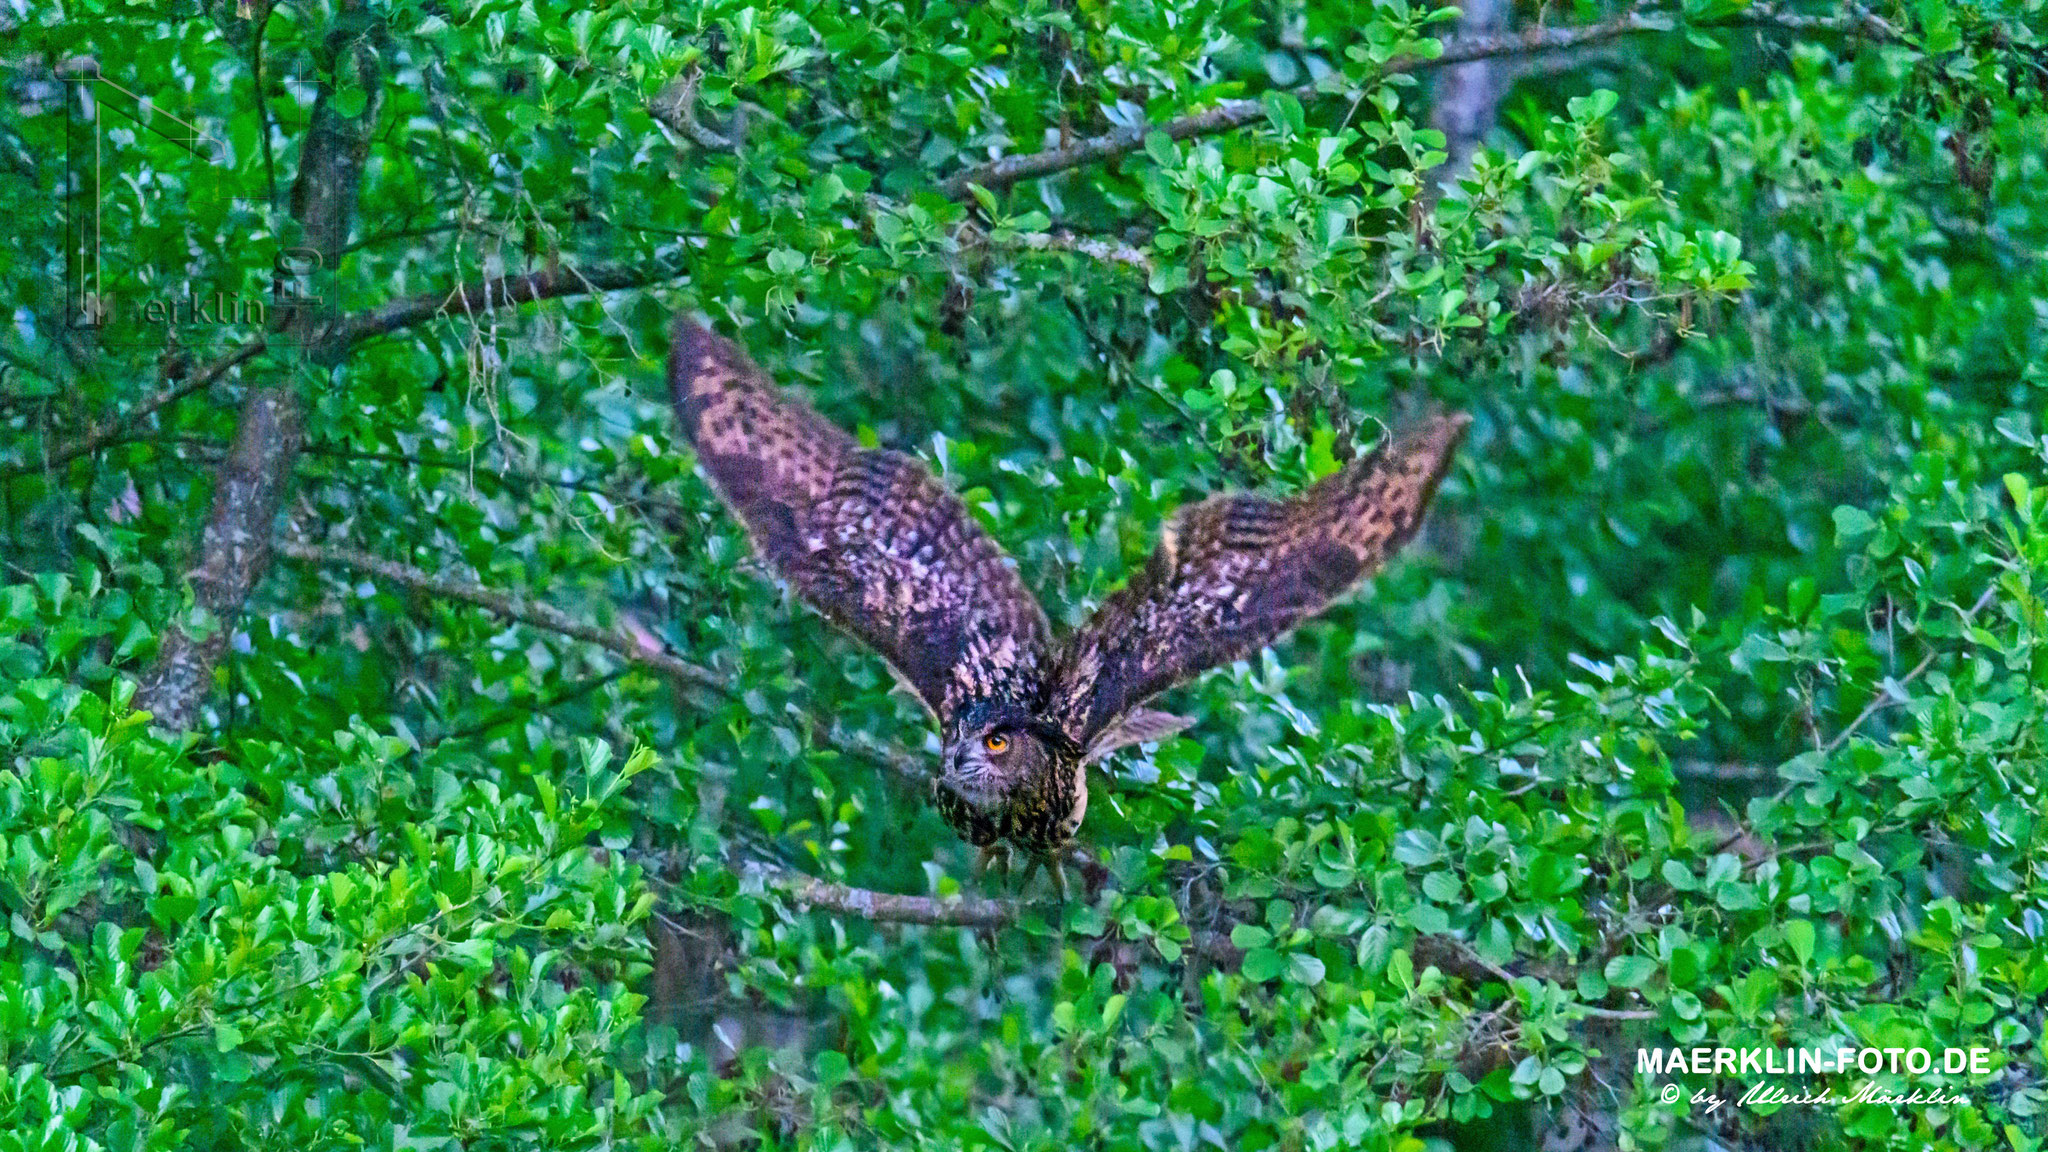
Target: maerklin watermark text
point(109, 130)
point(1811, 1061)
point(1806, 1062)
point(218, 308)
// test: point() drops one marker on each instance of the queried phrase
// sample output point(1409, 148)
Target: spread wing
point(1236, 572)
point(869, 538)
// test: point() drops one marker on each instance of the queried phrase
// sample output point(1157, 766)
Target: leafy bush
point(501, 804)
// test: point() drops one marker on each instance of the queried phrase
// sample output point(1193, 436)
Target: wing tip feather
point(1433, 441)
point(1436, 435)
point(693, 350)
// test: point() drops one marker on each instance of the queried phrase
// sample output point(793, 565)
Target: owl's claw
point(1051, 864)
point(999, 855)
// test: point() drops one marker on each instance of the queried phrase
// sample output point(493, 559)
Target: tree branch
point(116, 429)
point(1457, 958)
point(625, 645)
point(562, 281)
point(887, 907)
point(1226, 115)
point(499, 292)
point(235, 548)
point(234, 552)
point(962, 911)
point(1887, 696)
point(1467, 95)
point(1454, 956)
point(641, 649)
point(1097, 248)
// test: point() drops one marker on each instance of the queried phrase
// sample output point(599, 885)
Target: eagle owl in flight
point(874, 542)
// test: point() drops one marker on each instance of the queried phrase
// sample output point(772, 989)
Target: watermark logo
point(129, 163)
point(1773, 1078)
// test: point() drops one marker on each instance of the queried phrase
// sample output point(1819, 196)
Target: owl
point(877, 545)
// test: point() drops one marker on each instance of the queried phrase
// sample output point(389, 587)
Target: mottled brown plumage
point(1234, 573)
point(880, 547)
point(866, 536)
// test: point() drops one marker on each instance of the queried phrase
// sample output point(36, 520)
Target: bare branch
point(500, 292)
point(1889, 696)
point(563, 281)
point(1449, 953)
point(337, 146)
point(1733, 772)
point(676, 106)
point(1095, 247)
point(635, 649)
point(1100, 248)
point(1230, 114)
point(1467, 95)
point(887, 907)
point(234, 552)
point(119, 428)
point(1457, 958)
point(638, 648)
point(963, 911)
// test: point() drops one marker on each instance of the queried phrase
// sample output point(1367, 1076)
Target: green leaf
point(1304, 969)
point(1593, 106)
point(1441, 887)
point(830, 1067)
point(1285, 112)
point(1678, 876)
point(2022, 495)
point(1852, 526)
point(1799, 937)
point(349, 102)
point(1263, 964)
point(1417, 848)
point(1249, 936)
point(1401, 970)
point(1630, 971)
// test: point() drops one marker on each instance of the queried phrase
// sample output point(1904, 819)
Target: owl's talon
point(1030, 870)
point(1053, 872)
point(999, 855)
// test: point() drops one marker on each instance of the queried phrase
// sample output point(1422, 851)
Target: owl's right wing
point(868, 537)
point(1235, 573)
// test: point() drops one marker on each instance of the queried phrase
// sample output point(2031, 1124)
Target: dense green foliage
point(1705, 711)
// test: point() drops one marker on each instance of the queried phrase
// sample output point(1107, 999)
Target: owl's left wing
point(1236, 572)
point(869, 538)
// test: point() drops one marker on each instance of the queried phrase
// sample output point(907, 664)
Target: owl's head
point(988, 766)
point(1001, 775)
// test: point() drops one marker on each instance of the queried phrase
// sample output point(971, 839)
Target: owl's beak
point(968, 792)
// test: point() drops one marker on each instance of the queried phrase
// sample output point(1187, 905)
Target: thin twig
point(500, 292)
point(511, 606)
point(547, 617)
point(962, 911)
point(1096, 247)
point(1463, 955)
point(1885, 698)
point(117, 429)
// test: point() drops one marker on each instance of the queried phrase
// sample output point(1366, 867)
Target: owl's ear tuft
point(1138, 726)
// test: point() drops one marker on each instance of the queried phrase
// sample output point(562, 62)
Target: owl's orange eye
point(996, 742)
